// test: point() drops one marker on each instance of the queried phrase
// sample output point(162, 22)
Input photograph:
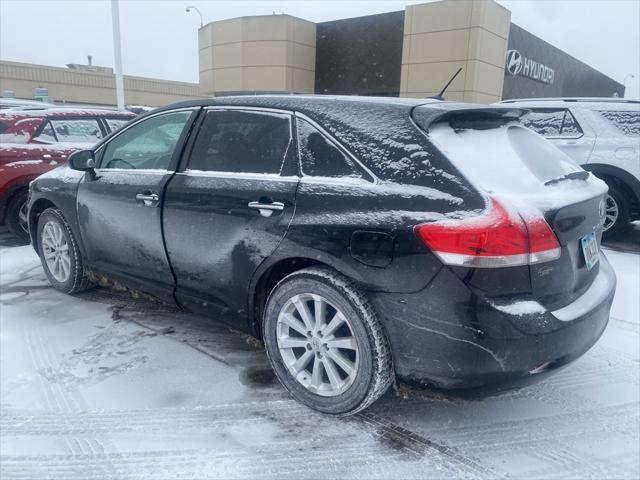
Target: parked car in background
point(33, 142)
point(602, 135)
point(18, 103)
point(362, 239)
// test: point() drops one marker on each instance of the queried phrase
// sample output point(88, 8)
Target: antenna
point(440, 95)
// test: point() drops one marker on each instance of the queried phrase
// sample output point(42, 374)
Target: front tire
point(326, 343)
point(59, 253)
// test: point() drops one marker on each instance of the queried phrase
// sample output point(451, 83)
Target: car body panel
point(452, 327)
point(216, 242)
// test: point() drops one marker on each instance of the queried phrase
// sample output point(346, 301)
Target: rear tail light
point(496, 238)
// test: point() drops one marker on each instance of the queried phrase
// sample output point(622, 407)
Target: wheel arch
point(35, 211)
point(17, 186)
point(627, 182)
point(264, 281)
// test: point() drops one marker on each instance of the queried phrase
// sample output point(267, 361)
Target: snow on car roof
point(10, 114)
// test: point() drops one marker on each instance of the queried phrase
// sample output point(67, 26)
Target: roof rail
point(573, 99)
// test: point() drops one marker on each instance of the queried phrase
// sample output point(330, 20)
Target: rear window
point(627, 122)
point(509, 159)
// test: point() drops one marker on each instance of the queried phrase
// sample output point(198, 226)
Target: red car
point(33, 142)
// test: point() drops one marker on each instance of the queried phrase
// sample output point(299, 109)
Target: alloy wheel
point(317, 344)
point(611, 213)
point(22, 217)
point(55, 250)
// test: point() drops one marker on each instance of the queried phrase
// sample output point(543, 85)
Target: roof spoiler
point(464, 116)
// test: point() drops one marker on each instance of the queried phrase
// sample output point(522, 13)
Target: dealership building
point(409, 53)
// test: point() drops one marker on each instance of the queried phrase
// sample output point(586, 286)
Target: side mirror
point(82, 160)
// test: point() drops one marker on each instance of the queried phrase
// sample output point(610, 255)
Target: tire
point(616, 199)
point(17, 226)
point(371, 357)
point(75, 280)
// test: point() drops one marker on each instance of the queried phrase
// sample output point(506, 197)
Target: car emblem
point(514, 62)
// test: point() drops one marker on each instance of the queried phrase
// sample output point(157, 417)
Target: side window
point(239, 141)
point(85, 130)
point(320, 157)
point(627, 122)
point(115, 123)
point(552, 123)
point(46, 134)
point(570, 126)
point(146, 145)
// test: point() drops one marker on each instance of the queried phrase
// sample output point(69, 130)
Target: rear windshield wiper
point(581, 175)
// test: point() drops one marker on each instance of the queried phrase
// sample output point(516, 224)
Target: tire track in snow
point(63, 403)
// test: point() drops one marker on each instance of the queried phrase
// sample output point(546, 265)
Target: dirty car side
point(200, 247)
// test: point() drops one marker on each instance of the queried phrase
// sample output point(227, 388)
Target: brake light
point(493, 239)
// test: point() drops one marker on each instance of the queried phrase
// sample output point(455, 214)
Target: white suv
point(603, 136)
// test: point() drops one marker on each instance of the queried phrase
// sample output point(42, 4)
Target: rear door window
point(320, 157)
point(85, 130)
point(241, 142)
point(627, 122)
point(553, 123)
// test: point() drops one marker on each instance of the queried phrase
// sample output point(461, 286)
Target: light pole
point(624, 82)
point(188, 9)
point(117, 54)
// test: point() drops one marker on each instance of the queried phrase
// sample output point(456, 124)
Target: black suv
point(360, 238)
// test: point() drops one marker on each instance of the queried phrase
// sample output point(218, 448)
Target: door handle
point(147, 198)
point(267, 209)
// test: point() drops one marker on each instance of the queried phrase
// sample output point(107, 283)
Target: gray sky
point(160, 40)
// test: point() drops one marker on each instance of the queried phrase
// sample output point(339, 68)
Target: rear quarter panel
point(612, 147)
point(335, 220)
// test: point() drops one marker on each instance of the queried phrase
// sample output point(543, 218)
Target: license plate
point(590, 250)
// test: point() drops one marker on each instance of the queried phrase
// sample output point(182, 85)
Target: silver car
point(603, 136)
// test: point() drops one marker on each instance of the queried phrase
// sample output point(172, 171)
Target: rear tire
point(615, 202)
point(347, 364)
point(59, 253)
point(16, 219)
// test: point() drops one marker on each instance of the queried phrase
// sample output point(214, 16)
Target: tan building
point(411, 53)
point(69, 85)
point(277, 53)
point(274, 53)
point(441, 37)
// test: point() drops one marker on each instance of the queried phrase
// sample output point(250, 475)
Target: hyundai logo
point(514, 62)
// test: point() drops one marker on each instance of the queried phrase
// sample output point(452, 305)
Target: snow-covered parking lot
point(104, 386)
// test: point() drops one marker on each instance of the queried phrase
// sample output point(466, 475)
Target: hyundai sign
point(517, 64)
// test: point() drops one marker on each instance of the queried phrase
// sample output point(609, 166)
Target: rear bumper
point(447, 337)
